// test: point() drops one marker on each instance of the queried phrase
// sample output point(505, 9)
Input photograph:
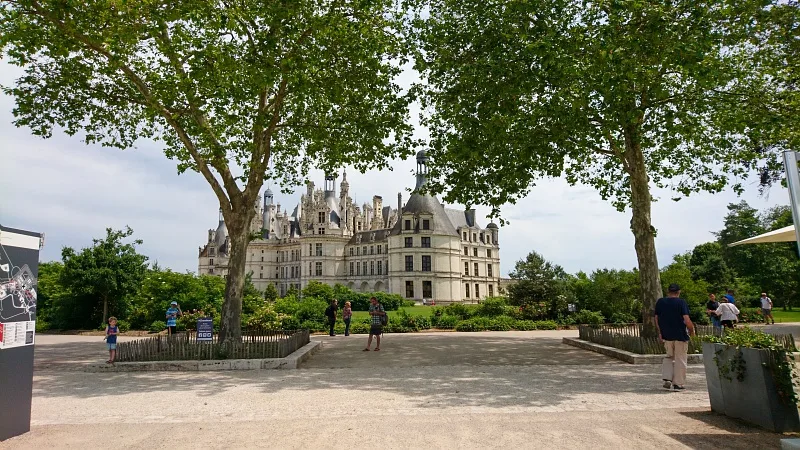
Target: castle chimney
point(470, 213)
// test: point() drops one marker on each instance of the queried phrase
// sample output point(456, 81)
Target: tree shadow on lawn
point(741, 434)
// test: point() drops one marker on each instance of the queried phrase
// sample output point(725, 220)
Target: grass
point(786, 316)
point(411, 310)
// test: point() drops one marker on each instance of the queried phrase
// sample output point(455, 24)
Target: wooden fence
point(255, 344)
point(629, 337)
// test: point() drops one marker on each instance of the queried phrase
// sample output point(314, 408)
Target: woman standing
point(347, 313)
point(727, 313)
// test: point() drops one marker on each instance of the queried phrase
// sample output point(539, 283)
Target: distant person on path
point(766, 308)
point(111, 339)
point(377, 314)
point(330, 313)
point(729, 296)
point(173, 313)
point(711, 310)
point(727, 313)
point(674, 327)
point(347, 314)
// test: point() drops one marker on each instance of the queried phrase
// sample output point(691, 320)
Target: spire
point(422, 169)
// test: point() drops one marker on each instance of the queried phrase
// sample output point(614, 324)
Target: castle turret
point(330, 186)
point(422, 169)
point(267, 213)
point(377, 213)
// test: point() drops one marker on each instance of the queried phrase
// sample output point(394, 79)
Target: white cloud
point(72, 192)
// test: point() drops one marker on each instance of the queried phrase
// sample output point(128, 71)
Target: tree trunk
point(643, 231)
point(105, 309)
point(230, 327)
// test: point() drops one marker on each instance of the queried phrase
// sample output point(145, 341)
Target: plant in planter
point(750, 375)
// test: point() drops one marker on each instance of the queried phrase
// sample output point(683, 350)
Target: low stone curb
point(290, 362)
point(622, 355)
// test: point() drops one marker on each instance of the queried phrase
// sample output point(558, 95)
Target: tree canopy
point(622, 95)
point(236, 90)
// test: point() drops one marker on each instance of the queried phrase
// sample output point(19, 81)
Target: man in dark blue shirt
point(674, 327)
point(729, 296)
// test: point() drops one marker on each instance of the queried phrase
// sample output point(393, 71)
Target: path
point(433, 390)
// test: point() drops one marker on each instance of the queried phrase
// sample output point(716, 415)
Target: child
point(347, 313)
point(111, 339)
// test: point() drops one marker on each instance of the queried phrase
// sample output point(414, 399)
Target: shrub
point(586, 317)
point(485, 323)
point(311, 309)
point(42, 325)
point(750, 315)
point(491, 307)
point(414, 323)
point(409, 303)
point(287, 305)
point(123, 326)
point(445, 322)
point(289, 322)
point(459, 310)
point(621, 317)
point(263, 318)
point(524, 325)
point(534, 311)
point(313, 325)
point(546, 325)
point(157, 326)
point(565, 320)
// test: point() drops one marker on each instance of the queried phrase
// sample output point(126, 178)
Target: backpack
point(328, 311)
point(384, 319)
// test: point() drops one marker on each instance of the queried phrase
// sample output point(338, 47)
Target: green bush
point(289, 322)
point(586, 317)
point(525, 325)
point(42, 325)
point(263, 318)
point(313, 326)
point(444, 322)
point(123, 326)
point(311, 309)
point(157, 326)
point(621, 317)
point(457, 309)
point(546, 325)
point(409, 303)
point(491, 307)
point(485, 324)
point(287, 305)
point(750, 315)
point(565, 320)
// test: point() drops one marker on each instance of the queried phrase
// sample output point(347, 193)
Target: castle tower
point(377, 213)
point(267, 213)
point(422, 169)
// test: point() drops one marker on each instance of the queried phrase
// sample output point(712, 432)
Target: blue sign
point(205, 329)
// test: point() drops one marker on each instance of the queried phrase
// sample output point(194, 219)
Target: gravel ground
point(437, 390)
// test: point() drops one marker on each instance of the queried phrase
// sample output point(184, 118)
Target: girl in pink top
point(347, 313)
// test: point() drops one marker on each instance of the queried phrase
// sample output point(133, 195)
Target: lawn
point(411, 310)
point(786, 316)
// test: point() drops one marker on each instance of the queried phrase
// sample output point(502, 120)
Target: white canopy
point(785, 234)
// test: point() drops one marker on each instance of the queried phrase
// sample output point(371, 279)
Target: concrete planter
point(755, 399)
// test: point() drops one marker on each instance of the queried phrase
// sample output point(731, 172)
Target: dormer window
point(407, 224)
point(321, 217)
point(211, 252)
point(426, 224)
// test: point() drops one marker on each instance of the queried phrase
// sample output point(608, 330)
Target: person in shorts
point(111, 339)
point(766, 308)
point(376, 313)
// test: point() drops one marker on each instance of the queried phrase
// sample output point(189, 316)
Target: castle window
point(477, 274)
point(409, 263)
point(372, 267)
point(380, 267)
point(477, 291)
point(262, 251)
point(426, 263)
point(319, 269)
point(310, 250)
point(426, 242)
point(372, 237)
point(358, 269)
point(475, 251)
point(211, 271)
point(261, 275)
point(262, 267)
point(427, 289)
point(474, 237)
point(409, 241)
point(365, 267)
point(467, 286)
point(309, 269)
point(481, 237)
point(364, 250)
point(491, 291)
point(380, 249)
point(371, 249)
point(321, 231)
point(211, 261)
point(211, 252)
point(466, 251)
point(407, 224)
point(321, 217)
point(319, 249)
point(409, 289)
point(352, 269)
point(426, 224)
point(465, 236)
point(489, 271)
point(488, 253)
point(351, 252)
point(262, 259)
point(386, 248)
point(466, 269)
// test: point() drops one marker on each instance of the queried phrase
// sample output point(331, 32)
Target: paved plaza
point(425, 390)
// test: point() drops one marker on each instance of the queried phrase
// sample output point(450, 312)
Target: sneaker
point(667, 384)
point(678, 388)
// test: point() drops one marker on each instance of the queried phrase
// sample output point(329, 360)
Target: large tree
point(237, 90)
point(102, 278)
point(621, 95)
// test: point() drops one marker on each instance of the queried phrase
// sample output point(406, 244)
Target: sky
point(72, 192)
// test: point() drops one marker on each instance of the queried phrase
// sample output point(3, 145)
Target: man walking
point(377, 314)
point(331, 314)
point(674, 327)
point(766, 308)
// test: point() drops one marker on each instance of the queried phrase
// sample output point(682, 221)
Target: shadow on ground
point(735, 432)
